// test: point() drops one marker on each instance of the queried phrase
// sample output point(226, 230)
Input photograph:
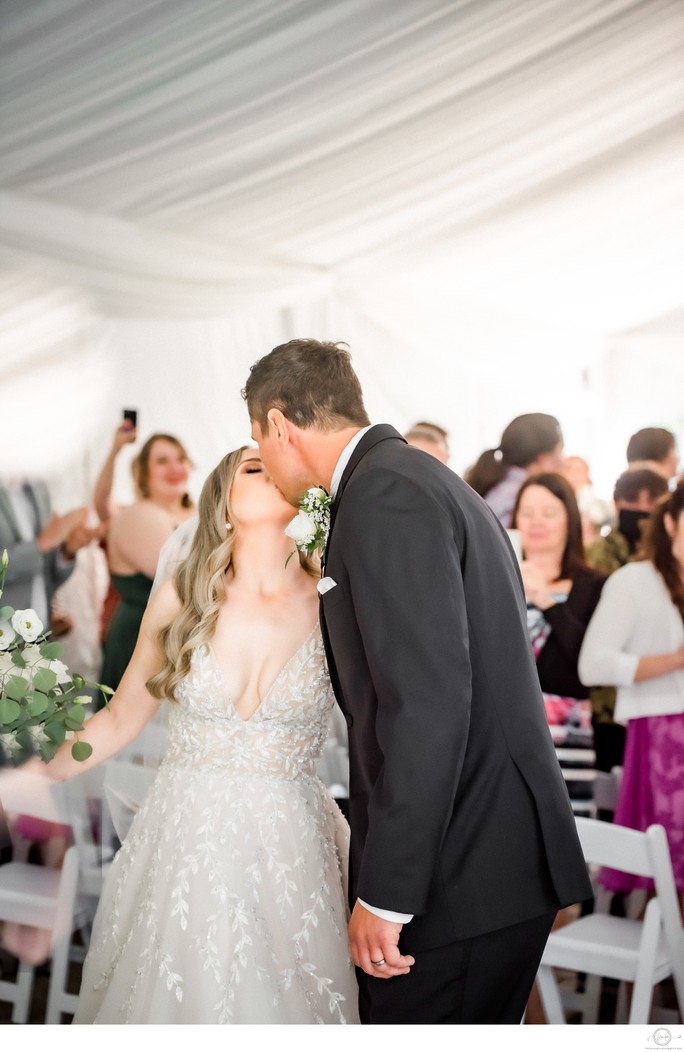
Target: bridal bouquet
point(310, 527)
point(40, 700)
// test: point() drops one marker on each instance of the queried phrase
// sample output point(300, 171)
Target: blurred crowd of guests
point(604, 585)
point(603, 580)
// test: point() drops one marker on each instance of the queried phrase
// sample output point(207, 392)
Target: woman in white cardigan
point(635, 642)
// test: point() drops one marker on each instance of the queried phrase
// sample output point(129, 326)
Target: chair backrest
point(608, 844)
point(126, 785)
point(84, 798)
point(666, 892)
point(646, 854)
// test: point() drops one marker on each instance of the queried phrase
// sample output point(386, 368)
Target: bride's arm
point(132, 706)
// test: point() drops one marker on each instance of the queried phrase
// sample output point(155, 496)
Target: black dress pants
point(484, 980)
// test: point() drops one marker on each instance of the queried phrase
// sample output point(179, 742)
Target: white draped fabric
point(486, 199)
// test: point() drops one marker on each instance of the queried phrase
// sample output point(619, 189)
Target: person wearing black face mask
point(636, 491)
point(635, 494)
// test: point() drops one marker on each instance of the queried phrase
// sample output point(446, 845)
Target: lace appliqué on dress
point(225, 902)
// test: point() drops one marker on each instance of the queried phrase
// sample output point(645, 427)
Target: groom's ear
point(279, 427)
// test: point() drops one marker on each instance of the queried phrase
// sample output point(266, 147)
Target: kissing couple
point(237, 895)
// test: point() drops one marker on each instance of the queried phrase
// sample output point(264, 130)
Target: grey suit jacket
point(25, 560)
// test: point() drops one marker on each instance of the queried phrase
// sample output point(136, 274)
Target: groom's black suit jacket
point(458, 809)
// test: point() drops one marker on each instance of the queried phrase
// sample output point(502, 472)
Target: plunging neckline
point(274, 684)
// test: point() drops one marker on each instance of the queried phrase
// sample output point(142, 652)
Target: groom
point(463, 840)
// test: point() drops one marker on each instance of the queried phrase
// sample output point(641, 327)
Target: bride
point(225, 903)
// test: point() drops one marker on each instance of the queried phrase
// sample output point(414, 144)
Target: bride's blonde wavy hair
point(200, 579)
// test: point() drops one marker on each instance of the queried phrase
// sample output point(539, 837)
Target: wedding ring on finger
point(378, 964)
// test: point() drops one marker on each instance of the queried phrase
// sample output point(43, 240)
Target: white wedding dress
point(225, 903)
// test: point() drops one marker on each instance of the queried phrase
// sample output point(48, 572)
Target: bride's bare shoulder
point(163, 606)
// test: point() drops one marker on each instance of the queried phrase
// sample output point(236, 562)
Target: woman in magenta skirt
point(635, 641)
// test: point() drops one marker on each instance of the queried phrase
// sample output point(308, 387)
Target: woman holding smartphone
point(135, 536)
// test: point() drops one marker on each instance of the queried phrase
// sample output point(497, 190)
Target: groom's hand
point(373, 939)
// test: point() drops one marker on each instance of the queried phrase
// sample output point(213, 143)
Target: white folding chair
point(88, 814)
point(125, 786)
point(39, 896)
point(641, 952)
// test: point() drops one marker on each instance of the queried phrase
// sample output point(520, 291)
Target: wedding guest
point(40, 543)
point(561, 592)
point(125, 434)
point(530, 444)
point(597, 514)
point(635, 494)
point(78, 603)
point(135, 536)
point(225, 903)
point(635, 641)
point(655, 448)
point(431, 438)
point(464, 844)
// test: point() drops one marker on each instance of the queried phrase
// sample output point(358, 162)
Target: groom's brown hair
point(311, 382)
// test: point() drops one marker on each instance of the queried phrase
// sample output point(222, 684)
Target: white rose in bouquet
point(7, 634)
point(41, 702)
point(28, 625)
point(34, 660)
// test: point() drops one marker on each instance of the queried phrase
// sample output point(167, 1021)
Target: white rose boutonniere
point(310, 527)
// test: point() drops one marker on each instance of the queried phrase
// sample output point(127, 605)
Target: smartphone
point(516, 541)
point(131, 415)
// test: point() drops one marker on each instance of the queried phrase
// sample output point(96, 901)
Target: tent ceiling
point(182, 158)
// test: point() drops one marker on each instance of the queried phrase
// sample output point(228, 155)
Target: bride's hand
point(30, 782)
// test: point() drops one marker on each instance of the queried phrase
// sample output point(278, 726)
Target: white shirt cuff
point(397, 918)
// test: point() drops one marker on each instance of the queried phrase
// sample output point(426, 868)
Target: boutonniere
point(310, 527)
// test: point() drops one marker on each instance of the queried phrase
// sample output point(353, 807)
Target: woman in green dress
point(135, 536)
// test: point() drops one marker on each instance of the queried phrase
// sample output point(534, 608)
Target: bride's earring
point(229, 525)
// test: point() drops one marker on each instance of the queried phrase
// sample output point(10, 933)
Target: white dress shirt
point(345, 457)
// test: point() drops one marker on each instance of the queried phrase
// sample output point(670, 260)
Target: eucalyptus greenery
point(41, 702)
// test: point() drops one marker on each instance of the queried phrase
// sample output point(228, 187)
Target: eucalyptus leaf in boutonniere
point(310, 527)
point(41, 702)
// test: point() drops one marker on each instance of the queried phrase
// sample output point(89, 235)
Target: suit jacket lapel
point(378, 433)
